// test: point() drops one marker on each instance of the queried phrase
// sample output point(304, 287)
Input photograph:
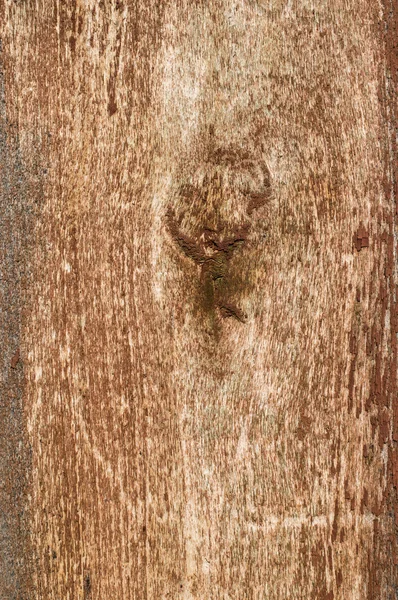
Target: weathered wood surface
point(207, 299)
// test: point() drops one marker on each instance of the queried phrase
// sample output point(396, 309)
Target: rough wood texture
point(14, 224)
point(209, 330)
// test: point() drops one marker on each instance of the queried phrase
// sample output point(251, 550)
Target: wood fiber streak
point(209, 331)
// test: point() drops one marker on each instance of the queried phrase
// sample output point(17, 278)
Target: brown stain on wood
point(361, 238)
point(188, 163)
point(15, 359)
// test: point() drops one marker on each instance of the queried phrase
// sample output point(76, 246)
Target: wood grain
point(209, 325)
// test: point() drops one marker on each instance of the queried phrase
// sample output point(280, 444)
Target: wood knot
point(211, 218)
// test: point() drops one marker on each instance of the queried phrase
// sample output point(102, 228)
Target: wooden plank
point(209, 327)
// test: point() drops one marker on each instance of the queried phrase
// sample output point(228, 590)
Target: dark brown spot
point(230, 310)
point(87, 585)
point(361, 238)
point(15, 359)
point(112, 107)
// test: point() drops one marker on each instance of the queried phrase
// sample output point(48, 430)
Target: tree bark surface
point(199, 300)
